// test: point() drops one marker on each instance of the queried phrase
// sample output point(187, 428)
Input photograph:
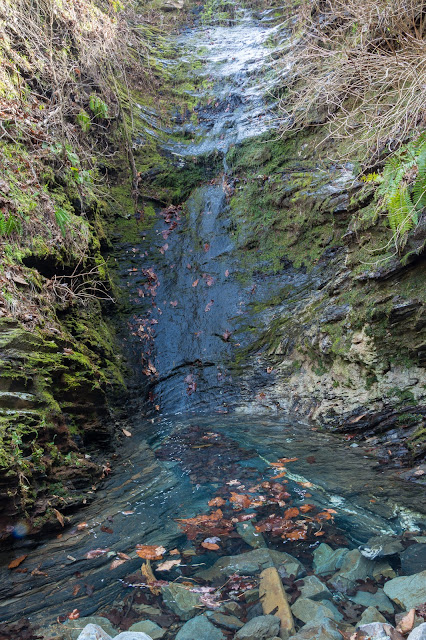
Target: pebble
point(199, 628)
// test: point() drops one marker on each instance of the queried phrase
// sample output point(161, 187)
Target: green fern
point(402, 197)
point(9, 225)
point(63, 220)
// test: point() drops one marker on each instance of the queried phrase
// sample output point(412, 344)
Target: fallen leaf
point(127, 513)
point(407, 622)
point(116, 563)
point(319, 533)
point(226, 335)
point(95, 553)
point(304, 508)
point(127, 433)
point(59, 517)
point(173, 303)
point(216, 502)
point(76, 589)
point(169, 564)
point(82, 525)
point(269, 369)
point(174, 552)
point(194, 284)
point(240, 499)
point(206, 246)
point(280, 475)
point(123, 556)
point(291, 513)
point(209, 305)
point(150, 551)
point(16, 562)
point(106, 530)
point(150, 579)
point(74, 615)
point(211, 546)
point(226, 273)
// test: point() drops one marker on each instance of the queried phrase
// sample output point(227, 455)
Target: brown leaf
point(407, 622)
point(150, 579)
point(194, 284)
point(150, 551)
point(123, 556)
point(209, 305)
point(76, 589)
point(291, 513)
point(16, 562)
point(60, 517)
point(169, 564)
point(74, 615)
point(173, 303)
point(106, 529)
point(82, 525)
point(116, 563)
point(226, 335)
point(240, 499)
point(216, 502)
point(392, 633)
point(95, 553)
point(211, 546)
point(174, 552)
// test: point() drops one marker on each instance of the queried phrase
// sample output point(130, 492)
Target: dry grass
point(360, 67)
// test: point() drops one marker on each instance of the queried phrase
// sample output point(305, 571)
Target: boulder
point(251, 563)
point(371, 615)
point(249, 534)
point(226, 621)
point(381, 546)
point(151, 628)
point(274, 600)
point(354, 567)
point(419, 633)
point(260, 628)
point(171, 5)
point(327, 560)
point(407, 591)
point(413, 559)
point(183, 602)
point(314, 589)
point(198, 628)
point(324, 630)
point(71, 629)
point(378, 600)
point(132, 635)
point(93, 632)
point(308, 610)
point(374, 630)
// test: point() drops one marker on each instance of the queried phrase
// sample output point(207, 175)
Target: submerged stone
point(260, 628)
point(252, 562)
point(149, 627)
point(199, 627)
point(308, 610)
point(325, 630)
point(249, 534)
point(354, 567)
point(378, 600)
point(371, 615)
point(181, 601)
point(413, 559)
point(274, 600)
point(327, 560)
point(381, 546)
point(407, 591)
point(314, 589)
point(72, 628)
point(222, 620)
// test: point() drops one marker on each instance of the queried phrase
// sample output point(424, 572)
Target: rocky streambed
point(227, 512)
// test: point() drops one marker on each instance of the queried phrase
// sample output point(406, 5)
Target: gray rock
point(354, 567)
point(374, 630)
point(252, 595)
point(314, 589)
point(222, 620)
point(181, 601)
point(72, 628)
point(382, 569)
point(407, 591)
point(254, 611)
point(146, 610)
point(324, 630)
point(249, 534)
point(260, 628)
point(132, 635)
point(419, 633)
point(327, 560)
point(251, 563)
point(413, 559)
point(233, 608)
point(308, 610)
point(149, 627)
point(371, 615)
point(93, 632)
point(381, 546)
point(199, 628)
point(378, 600)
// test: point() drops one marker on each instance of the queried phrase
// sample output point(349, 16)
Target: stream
point(191, 311)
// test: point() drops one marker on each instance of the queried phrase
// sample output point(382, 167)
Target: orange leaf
point(174, 552)
point(291, 513)
point(296, 534)
point(82, 525)
point(60, 517)
point(16, 562)
point(116, 563)
point(150, 551)
point(240, 499)
point(306, 507)
point(74, 615)
point(280, 475)
point(285, 460)
point(407, 622)
point(319, 533)
point(216, 502)
point(211, 546)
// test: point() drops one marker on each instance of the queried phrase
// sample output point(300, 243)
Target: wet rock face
point(407, 591)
